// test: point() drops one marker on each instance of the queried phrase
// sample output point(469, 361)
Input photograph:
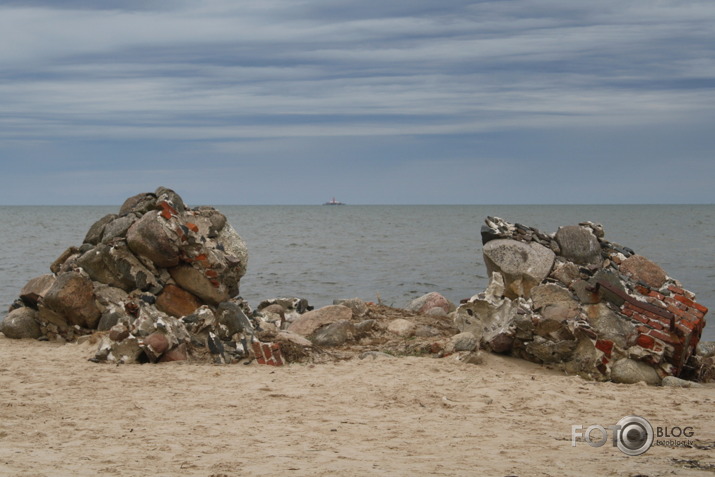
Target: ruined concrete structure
point(574, 299)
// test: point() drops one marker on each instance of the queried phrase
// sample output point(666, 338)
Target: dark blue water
point(395, 253)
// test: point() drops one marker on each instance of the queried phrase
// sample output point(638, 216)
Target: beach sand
point(63, 415)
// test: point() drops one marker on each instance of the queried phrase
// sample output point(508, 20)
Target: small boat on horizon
point(333, 202)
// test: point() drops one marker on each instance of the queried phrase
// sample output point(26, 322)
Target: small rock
point(429, 302)
point(118, 332)
point(706, 349)
point(672, 381)
point(364, 327)
point(474, 357)
point(401, 327)
point(565, 272)
point(308, 322)
point(629, 371)
point(179, 353)
point(334, 334)
point(358, 306)
point(126, 351)
point(155, 345)
point(462, 342)
point(375, 355)
point(290, 337)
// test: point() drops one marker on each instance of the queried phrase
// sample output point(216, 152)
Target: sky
point(371, 102)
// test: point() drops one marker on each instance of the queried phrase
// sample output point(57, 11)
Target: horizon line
point(387, 204)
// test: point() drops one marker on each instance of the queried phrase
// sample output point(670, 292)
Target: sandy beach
point(63, 415)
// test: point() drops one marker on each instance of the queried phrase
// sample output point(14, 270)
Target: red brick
point(606, 346)
point(685, 301)
point(689, 325)
point(666, 337)
point(675, 310)
point(700, 308)
point(657, 295)
point(699, 314)
point(645, 341)
point(642, 329)
point(639, 317)
point(651, 315)
point(676, 290)
point(628, 311)
point(642, 290)
point(691, 317)
point(656, 324)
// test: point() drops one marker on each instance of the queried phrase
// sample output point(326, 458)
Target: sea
point(386, 253)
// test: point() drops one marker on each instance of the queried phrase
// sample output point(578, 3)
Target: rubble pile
point(575, 300)
point(159, 281)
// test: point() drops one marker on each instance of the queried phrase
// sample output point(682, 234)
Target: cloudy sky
point(391, 101)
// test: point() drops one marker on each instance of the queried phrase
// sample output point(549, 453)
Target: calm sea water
point(395, 253)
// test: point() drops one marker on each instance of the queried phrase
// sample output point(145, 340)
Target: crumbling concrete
point(591, 306)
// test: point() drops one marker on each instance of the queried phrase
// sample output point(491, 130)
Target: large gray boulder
point(95, 232)
point(20, 324)
point(643, 270)
point(36, 289)
point(196, 282)
point(118, 227)
point(630, 371)
point(609, 325)
point(72, 297)
point(117, 266)
point(523, 265)
point(334, 334)
point(152, 237)
point(578, 244)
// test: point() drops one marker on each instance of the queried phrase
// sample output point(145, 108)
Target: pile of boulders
point(159, 281)
point(157, 277)
point(575, 300)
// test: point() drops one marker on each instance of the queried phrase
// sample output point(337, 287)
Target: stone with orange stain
point(175, 301)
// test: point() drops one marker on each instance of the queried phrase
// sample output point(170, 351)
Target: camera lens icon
point(635, 435)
